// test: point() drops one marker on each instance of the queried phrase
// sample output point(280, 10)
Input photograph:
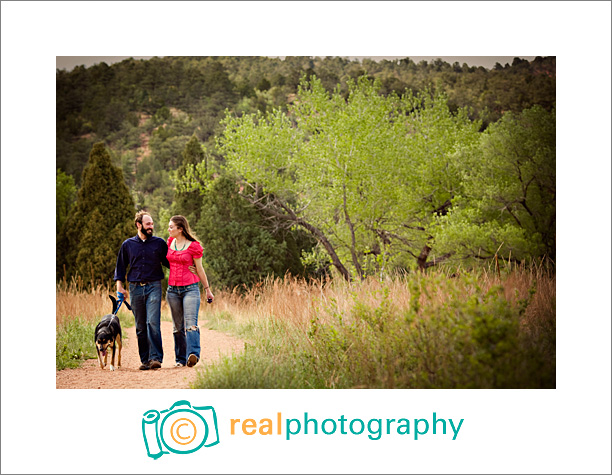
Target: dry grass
point(75, 300)
point(297, 301)
point(474, 329)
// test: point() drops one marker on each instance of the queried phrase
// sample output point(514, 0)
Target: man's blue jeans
point(146, 306)
point(184, 302)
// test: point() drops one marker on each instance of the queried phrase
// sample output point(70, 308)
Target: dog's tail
point(114, 300)
point(117, 305)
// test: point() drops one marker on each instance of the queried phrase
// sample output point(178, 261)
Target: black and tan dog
point(108, 336)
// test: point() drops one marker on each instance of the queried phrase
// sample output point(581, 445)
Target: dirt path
point(90, 376)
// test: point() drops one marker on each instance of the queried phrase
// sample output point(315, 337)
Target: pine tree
point(189, 202)
point(99, 222)
point(65, 195)
point(239, 246)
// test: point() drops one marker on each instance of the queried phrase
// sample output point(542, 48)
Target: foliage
point(65, 195)
point(509, 193)
point(364, 175)
point(100, 221)
point(148, 111)
point(119, 103)
point(74, 343)
point(188, 202)
point(239, 248)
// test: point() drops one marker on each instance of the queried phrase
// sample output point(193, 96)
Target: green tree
point(509, 197)
point(100, 221)
point(239, 247)
point(365, 176)
point(187, 198)
point(65, 195)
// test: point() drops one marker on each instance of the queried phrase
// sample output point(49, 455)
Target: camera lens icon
point(184, 421)
point(182, 429)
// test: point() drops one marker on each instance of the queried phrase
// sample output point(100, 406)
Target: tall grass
point(74, 343)
point(76, 299)
point(479, 329)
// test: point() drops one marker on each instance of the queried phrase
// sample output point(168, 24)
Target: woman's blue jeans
point(184, 302)
point(146, 306)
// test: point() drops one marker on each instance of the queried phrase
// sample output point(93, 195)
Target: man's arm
point(120, 287)
point(164, 255)
point(121, 268)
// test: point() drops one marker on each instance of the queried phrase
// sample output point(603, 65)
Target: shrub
point(414, 332)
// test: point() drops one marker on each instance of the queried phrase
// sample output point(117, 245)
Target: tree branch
point(271, 206)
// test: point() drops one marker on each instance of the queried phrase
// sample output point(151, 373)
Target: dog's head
point(104, 340)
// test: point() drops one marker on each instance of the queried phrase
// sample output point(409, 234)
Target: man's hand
point(120, 296)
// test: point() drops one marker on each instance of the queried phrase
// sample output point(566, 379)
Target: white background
point(566, 430)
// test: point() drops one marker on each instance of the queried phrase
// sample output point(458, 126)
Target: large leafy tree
point(366, 175)
point(508, 203)
point(98, 223)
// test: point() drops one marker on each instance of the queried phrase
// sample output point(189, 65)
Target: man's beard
point(147, 232)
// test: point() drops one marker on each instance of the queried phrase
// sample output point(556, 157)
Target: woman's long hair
point(182, 223)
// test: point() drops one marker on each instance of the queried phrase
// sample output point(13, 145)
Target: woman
point(183, 293)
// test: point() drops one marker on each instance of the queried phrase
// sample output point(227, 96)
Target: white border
point(46, 430)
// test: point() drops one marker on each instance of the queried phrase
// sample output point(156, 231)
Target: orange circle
point(179, 435)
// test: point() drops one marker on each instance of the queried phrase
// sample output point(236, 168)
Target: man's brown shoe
point(192, 360)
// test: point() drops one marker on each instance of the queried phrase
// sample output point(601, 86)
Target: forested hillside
point(302, 165)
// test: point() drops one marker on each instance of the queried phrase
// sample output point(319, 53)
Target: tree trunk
point(291, 217)
point(328, 247)
point(422, 259)
point(348, 221)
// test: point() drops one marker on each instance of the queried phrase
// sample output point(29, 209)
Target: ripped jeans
point(184, 302)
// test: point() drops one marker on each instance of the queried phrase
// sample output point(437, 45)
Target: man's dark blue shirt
point(143, 258)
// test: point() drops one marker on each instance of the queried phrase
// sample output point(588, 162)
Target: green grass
point(75, 341)
point(452, 334)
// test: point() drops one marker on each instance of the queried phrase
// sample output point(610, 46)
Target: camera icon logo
point(182, 429)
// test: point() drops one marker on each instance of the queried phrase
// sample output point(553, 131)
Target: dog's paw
point(112, 368)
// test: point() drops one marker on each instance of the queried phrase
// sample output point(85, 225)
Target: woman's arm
point(203, 278)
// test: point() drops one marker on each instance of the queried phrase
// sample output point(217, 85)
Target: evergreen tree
point(100, 221)
point(192, 154)
point(239, 247)
point(188, 200)
point(65, 194)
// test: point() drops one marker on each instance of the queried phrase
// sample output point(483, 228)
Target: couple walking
point(142, 257)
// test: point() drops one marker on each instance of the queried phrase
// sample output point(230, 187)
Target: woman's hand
point(209, 295)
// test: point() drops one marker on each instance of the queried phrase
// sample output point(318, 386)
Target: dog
point(108, 336)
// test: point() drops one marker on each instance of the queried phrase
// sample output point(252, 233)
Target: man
point(144, 255)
